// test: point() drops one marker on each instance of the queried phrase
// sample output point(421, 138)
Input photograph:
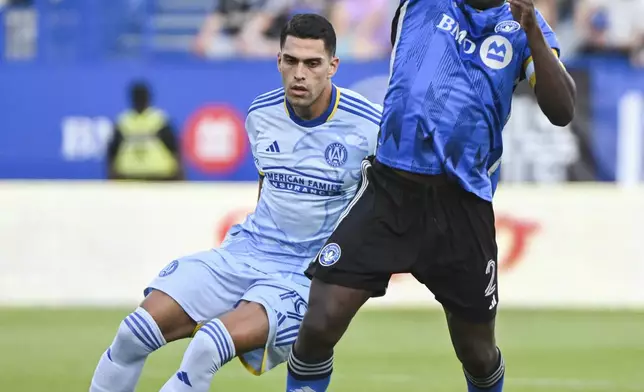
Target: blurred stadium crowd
point(250, 28)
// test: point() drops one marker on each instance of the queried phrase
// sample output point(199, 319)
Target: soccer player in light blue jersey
point(427, 207)
point(247, 298)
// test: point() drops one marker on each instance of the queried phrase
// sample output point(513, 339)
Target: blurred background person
point(363, 27)
point(550, 11)
point(611, 27)
point(247, 28)
point(144, 145)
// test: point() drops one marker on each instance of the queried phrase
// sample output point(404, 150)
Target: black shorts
point(440, 233)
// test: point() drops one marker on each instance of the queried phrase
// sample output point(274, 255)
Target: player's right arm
point(553, 85)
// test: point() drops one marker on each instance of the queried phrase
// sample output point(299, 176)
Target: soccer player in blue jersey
point(427, 206)
point(309, 140)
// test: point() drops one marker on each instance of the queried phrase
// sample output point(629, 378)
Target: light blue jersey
point(311, 172)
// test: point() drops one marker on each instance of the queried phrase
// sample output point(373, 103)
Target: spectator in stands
point(363, 27)
point(144, 146)
point(16, 2)
point(611, 26)
point(310, 6)
point(243, 28)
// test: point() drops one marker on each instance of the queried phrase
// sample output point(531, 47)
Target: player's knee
point(169, 316)
point(212, 344)
point(315, 333)
point(135, 339)
point(479, 358)
point(324, 325)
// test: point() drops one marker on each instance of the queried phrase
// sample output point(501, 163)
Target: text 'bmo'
point(450, 25)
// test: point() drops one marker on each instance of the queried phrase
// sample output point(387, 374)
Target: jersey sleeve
point(251, 130)
point(528, 64)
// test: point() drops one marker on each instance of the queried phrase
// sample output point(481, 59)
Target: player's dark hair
point(310, 26)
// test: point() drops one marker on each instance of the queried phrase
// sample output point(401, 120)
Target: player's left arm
point(554, 87)
point(259, 189)
point(252, 132)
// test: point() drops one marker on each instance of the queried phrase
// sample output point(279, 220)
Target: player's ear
point(333, 66)
point(279, 60)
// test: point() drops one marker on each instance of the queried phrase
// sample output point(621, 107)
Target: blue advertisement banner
point(56, 121)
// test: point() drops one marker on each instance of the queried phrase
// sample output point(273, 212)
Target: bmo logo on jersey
point(450, 25)
point(496, 51)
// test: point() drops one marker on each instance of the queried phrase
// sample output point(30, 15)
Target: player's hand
point(523, 12)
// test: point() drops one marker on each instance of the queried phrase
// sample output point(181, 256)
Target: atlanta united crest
point(336, 154)
point(330, 255)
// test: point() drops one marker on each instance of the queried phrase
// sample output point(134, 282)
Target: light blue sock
point(121, 364)
point(210, 349)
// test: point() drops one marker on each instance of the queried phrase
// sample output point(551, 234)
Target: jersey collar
point(324, 117)
point(467, 6)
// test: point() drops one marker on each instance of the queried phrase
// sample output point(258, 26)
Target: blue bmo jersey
point(453, 72)
point(311, 173)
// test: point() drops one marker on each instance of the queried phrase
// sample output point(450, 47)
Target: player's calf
point(210, 349)
point(483, 366)
point(330, 311)
point(216, 343)
point(492, 381)
point(475, 347)
point(120, 366)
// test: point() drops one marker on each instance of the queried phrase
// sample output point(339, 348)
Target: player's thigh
point(248, 326)
point(265, 324)
point(460, 266)
point(203, 286)
point(376, 236)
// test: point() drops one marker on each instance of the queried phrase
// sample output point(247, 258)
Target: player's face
point(306, 69)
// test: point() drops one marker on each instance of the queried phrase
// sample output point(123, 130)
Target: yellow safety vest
point(142, 153)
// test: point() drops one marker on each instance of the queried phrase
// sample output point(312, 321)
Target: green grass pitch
point(55, 350)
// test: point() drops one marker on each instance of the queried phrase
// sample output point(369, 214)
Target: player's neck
point(318, 107)
point(484, 4)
